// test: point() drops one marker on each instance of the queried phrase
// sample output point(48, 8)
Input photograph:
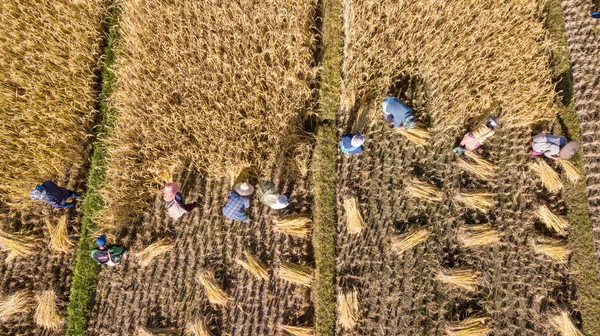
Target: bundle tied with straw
point(478, 199)
point(571, 172)
point(549, 176)
point(253, 266)
point(424, 190)
point(347, 304)
point(476, 235)
point(298, 331)
point(462, 277)
point(216, 296)
point(354, 220)
point(59, 236)
point(16, 245)
point(479, 167)
point(563, 324)
point(17, 303)
point(417, 135)
point(409, 240)
point(471, 326)
point(197, 328)
point(553, 222)
point(296, 274)
point(147, 255)
point(552, 248)
point(294, 226)
point(46, 313)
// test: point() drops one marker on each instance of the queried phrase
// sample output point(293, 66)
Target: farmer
point(54, 195)
point(109, 255)
point(398, 113)
point(474, 139)
point(351, 144)
point(269, 195)
point(174, 203)
point(596, 15)
point(552, 146)
point(238, 201)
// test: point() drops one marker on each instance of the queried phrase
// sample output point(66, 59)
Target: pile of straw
point(409, 240)
point(354, 220)
point(46, 313)
point(424, 190)
point(16, 245)
point(471, 326)
point(417, 135)
point(299, 275)
point(480, 200)
point(552, 248)
point(59, 236)
point(147, 255)
point(462, 277)
point(475, 235)
point(347, 304)
point(298, 331)
point(571, 172)
point(553, 222)
point(481, 168)
point(254, 266)
point(216, 296)
point(294, 226)
point(17, 303)
point(197, 328)
point(549, 176)
point(564, 325)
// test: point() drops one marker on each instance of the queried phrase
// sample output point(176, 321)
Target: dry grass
point(17, 303)
point(46, 313)
point(354, 220)
point(347, 305)
point(552, 248)
point(563, 324)
point(548, 175)
point(294, 226)
point(141, 331)
point(424, 190)
point(462, 277)
point(216, 296)
point(476, 235)
point(479, 167)
point(571, 172)
point(147, 255)
point(59, 236)
point(16, 245)
point(254, 266)
point(49, 50)
point(298, 331)
point(417, 135)
point(197, 328)
point(471, 326)
point(480, 200)
point(299, 275)
point(409, 240)
point(553, 222)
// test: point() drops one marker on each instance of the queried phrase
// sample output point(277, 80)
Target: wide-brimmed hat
point(244, 189)
point(169, 191)
point(357, 140)
point(37, 193)
point(569, 150)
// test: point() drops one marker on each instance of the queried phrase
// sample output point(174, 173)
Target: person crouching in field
point(107, 254)
point(271, 197)
point(474, 139)
point(174, 202)
point(53, 195)
point(552, 146)
point(238, 200)
point(398, 114)
point(351, 144)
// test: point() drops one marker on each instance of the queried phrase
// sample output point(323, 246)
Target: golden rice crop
point(424, 190)
point(46, 313)
point(547, 174)
point(571, 172)
point(197, 328)
point(354, 220)
point(471, 326)
point(216, 295)
point(552, 248)
point(48, 53)
point(563, 324)
point(479, 167)
point(214, 88)
point(17, 303)
point(147, 255)
point(480, 200)
point(16, 245)
point(254, 266)
point(462, 277)
point(475, 235)
point(298, 331)
point(347, 305)
point(416, 134)
point(409, 240)
point(296, 274)
point(553, 222)
point(294, 226)
point(59, 236)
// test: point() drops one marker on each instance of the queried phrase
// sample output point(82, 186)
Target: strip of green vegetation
point(325, 168)
point(580, 234)
point(85, 272)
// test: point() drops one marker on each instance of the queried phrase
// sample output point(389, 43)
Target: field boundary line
point(86, 270)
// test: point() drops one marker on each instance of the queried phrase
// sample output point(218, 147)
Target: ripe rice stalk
point(294, 226)
point(480, 200)
point(424, 190)
point(296, 274)
point(254, 266)
point(409, 240)
point(147, 255)
point(16, 245)
point(298, 331)
point(549, 176)
point(462, 277)
point(216, 296)
point(562, 323)
point(302, 158)
point(476, 235)
point(46, 313)
point(552, 248)
point(17, 303)
point(417, 135)
point(553, 222)
point(571, 172)
point(354, 220)
point(480, 168)
point(197, 328)
point(347, 304)
point(237, 173)
point(471, 326)
point(59, 236)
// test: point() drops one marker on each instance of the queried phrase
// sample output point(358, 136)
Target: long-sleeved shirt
point(55, 196)
point(112, 253)
point(548, 144)
point(236, 206)
point(346, 145)
point(397, 109)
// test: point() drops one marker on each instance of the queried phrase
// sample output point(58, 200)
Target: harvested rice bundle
point(417, 135)
point(298, 331)
point(471, 326)
point(480, 167)
point(46, 313)
point(563, 324)
point(354, 221)
point(480, 200)
point(17, 303)
point(197, 328)
point(297, 274)
point(424, 190)
point(476, 235)
point(294, 226)
point(462, 277)
point(254, 266)
point(553, 222)
point(549, 176)
point(347, 304)
point(571, 172)
point(59, 236)
point(409, 240)
point(16, 245)
point(553, 248)
point(147, 255)
point(215, 295)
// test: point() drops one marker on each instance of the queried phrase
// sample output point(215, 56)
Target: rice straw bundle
point(553, 222)
point(553, 248)
point(254, 266)
point(471, 326)
point(17, 303)
point(59, 237)
point(354, 221)
point(462, 277)
point(197, 328)
point(409, 240)
point(480, 200)
point(571, 172)
point(417, 135)
point(46, 313)
point(563, 324)
point(296, 274)
point(147, 255)
point(476, 235)
point(215, 295)
point(347, 304)
point(16, 245)
point(481, 168)
point(294, 226)
point(298, 331)
point(237, 173)
point(549, 176)
point(424, 190)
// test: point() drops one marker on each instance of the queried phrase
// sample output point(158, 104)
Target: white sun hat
point(244, 189)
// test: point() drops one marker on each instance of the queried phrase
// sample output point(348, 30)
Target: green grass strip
point(325, 168)
point(580, 234)
point(86, 270)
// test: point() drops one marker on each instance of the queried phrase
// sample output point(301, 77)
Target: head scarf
point(37, 193)
point(357, 140)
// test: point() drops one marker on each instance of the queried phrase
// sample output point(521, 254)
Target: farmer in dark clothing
point(351, 144)
point(398, 113)
point(54, 195)
point(109, 255)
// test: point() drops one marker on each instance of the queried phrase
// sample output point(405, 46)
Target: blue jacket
point(55, 196)
point(346, 145)
point(397, 109)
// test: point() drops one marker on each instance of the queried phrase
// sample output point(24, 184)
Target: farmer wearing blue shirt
point(352, 144)
point(54, 195)
point(397, 112)
point(238, 201)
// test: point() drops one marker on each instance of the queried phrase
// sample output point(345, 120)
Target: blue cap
point(101, 241)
